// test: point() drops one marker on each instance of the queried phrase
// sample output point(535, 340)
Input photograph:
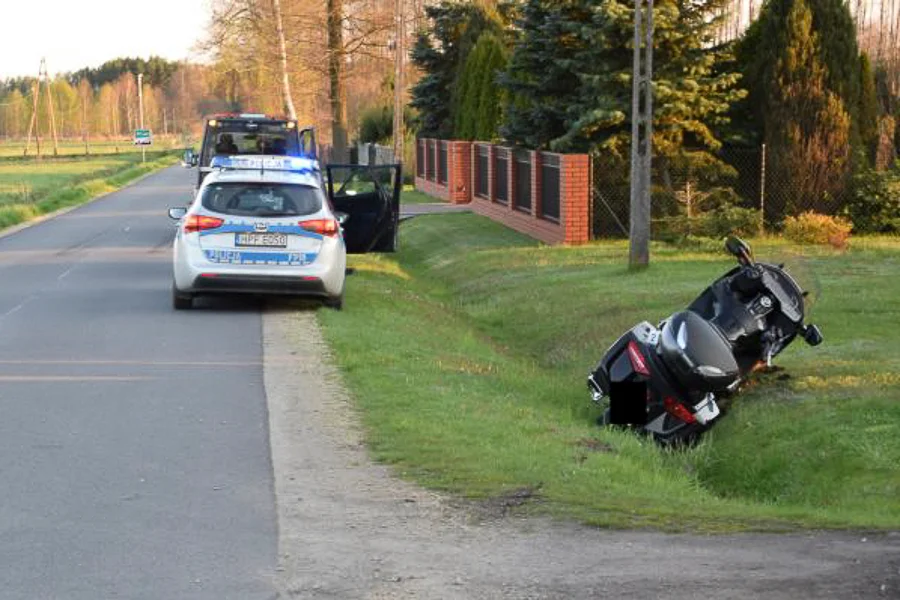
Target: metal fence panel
point(550, 187)
point(481, 170)
point(429, 160)
point(442, 163)
point(420, 158)
point(522, 173)
point(501, 173)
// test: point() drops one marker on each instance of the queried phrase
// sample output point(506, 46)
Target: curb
point(14, 229)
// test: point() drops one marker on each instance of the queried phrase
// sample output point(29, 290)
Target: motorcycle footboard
point(628, 403)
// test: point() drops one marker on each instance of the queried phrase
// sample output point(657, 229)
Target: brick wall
point(525, 214)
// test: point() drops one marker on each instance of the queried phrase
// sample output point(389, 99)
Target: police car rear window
point(262, 199)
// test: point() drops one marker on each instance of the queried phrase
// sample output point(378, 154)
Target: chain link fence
point(740, 190)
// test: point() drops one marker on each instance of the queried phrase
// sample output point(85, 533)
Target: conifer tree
point(478, 111)
point(571, 76)
point(542, 76)
point(441, 53)
point(868, 107)
point(807, 128)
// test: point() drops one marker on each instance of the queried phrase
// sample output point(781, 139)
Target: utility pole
point(35, 124)
point(140, 86)
point(399, 84)
point(641, 134)
point(50, 105)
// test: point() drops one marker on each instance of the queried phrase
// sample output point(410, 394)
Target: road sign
point(142, 137)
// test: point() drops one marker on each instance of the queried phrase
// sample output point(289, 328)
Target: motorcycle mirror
point(739, 248)
point(812, 335)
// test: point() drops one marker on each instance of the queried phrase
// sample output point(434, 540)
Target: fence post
point(762, 192)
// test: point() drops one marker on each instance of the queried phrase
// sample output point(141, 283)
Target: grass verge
point(410, 195)
point(467, 354)
point(31, 188)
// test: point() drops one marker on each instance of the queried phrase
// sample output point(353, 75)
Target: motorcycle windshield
point(801, 269)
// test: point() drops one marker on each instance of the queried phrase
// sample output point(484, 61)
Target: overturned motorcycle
point(665, 380)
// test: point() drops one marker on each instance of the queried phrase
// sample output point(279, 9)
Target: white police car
point(260, 225)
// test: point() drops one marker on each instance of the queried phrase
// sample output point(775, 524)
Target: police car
point(260, 225)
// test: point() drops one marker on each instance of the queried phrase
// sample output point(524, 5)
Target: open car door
point(370, 196)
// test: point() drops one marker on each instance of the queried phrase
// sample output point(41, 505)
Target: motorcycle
point(666, 381)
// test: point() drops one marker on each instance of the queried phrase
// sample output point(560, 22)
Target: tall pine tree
point(838, 52)
point(807, 127)
point(479, 108)
point(542, 74)
point(441, 53)
point(692, 93)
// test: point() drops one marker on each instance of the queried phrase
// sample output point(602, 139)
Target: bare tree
point(285, 78)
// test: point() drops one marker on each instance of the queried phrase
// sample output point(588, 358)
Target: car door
point(370, 196)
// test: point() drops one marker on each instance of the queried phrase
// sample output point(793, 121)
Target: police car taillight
point(327, 227)
point(194, 223)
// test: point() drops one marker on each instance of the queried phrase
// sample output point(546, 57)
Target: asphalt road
point(135, 460)
point(134, 450)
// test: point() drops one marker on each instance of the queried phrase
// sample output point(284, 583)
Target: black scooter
point(665, 380)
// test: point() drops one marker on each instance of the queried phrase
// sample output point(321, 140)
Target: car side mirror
point(812, 335)
point(177, 213)
point(739, 249)
point(342, 218)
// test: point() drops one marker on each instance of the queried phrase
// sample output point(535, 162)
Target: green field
point(30, 187)
point(467, 355)
point(16, 148)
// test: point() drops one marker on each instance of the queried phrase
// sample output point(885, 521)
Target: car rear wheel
point(337, 303)
point(180, 300)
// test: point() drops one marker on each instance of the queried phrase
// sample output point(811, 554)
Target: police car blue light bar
point(293, 164)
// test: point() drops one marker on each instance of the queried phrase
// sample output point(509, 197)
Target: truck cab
point(232, 134)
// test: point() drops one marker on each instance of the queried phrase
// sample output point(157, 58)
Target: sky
point(72, 34)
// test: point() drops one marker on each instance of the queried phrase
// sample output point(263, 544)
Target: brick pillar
point(459, 172)
point(575, 198)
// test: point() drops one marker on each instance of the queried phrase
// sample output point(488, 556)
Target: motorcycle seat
point(698, 353)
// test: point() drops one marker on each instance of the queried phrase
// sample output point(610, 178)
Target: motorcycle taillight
point(678, 410)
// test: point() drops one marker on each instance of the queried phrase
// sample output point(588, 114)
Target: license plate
point(269, 240)
point(706, 410)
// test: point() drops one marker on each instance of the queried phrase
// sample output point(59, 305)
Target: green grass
point(30, 187)
point(467, 355)
point(412, 196)
point(16, 148)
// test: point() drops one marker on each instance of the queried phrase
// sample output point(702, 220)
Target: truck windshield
point(249, 137)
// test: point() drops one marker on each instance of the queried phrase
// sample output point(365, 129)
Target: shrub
point(874, 205)
point(815, 228)
point(376, 125)
point(731, 220)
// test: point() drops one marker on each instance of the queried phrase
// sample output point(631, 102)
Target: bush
point(814, 228)
point(731, 220)
point(874, 205)
point(376, 125)
point(717, 223)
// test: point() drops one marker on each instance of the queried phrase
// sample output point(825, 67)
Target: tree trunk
point(285, 80)
point(336, 80)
